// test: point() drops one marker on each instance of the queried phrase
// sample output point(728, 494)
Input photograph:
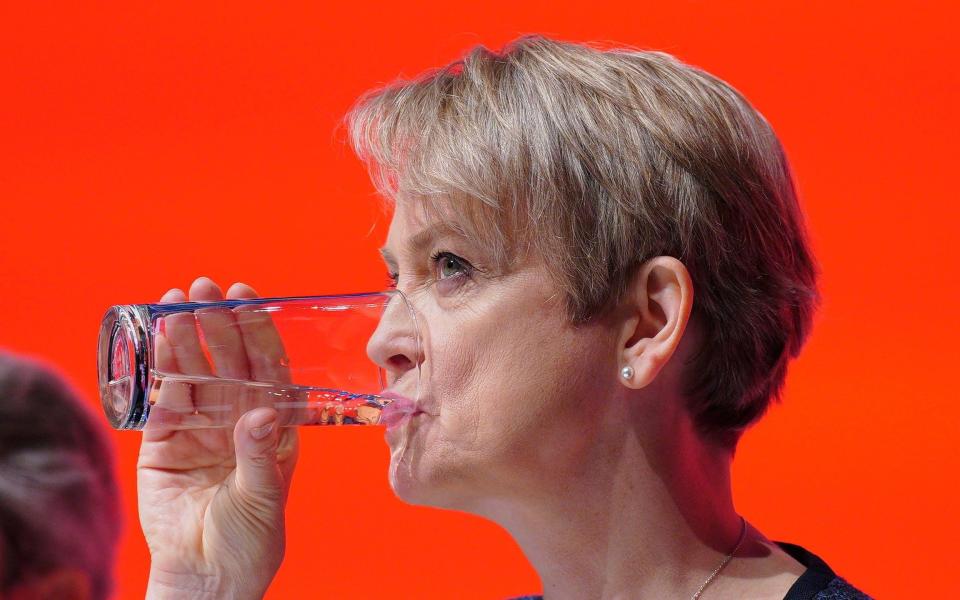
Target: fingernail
point(258, 433)
point(173, 295)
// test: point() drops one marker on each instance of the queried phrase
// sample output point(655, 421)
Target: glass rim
point(174, 307)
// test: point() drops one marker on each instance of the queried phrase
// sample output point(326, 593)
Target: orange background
point(142, 145)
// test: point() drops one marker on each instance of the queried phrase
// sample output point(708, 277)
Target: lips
point(397, 399)
point(398, 410)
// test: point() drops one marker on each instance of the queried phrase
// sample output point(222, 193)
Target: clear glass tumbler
point(194, 365)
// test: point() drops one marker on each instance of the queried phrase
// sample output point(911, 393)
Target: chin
point(417, 480)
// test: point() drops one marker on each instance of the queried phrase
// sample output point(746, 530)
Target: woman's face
point(508, 387)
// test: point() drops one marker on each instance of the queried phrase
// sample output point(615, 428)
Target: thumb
point(255, 438)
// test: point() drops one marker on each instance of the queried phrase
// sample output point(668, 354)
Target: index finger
point(181, 334)
point(266, 355)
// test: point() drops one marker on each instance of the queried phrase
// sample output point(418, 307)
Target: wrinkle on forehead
point(426, 236)
point(491, 229)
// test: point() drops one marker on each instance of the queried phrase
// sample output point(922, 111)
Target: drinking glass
point(194, 365)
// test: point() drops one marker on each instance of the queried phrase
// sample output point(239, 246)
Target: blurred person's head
point(59, 508)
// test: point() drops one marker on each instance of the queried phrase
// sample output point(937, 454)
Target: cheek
point(456, 381)
point(509, 397)
point(457, 378)
point(497, 386)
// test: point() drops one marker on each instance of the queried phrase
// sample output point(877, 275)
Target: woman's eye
point(446, 266)
point(450, 265)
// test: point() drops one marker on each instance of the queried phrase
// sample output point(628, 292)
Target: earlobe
point(662, 300)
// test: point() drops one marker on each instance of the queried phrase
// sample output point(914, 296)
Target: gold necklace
point(743, 531)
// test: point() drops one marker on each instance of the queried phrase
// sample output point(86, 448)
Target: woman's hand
point(212, 500)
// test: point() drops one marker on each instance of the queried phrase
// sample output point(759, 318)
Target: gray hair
point(59, 504)
point(598, 160)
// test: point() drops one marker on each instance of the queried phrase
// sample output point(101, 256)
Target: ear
point(659, 303)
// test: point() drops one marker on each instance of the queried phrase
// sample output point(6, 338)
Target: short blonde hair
point(599, 160)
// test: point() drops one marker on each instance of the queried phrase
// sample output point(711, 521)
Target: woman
point(608, 255)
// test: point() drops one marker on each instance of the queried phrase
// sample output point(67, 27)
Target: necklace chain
point(729, 557)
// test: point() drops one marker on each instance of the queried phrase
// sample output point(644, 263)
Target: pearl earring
point(626, 372)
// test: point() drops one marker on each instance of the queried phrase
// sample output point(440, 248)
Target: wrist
point(168, 585)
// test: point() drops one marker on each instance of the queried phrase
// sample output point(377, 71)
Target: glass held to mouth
point(195, 365)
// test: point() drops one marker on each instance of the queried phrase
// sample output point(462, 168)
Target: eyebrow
point(425, 238)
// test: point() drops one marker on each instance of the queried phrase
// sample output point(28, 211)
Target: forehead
point(415, 225)
point(420, 239)
point(483, 231)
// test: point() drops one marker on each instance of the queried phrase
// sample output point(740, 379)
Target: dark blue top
point(818, 582)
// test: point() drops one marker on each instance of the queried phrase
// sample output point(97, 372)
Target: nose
point(395, 344)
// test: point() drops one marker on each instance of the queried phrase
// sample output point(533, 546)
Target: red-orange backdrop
point(143, 144)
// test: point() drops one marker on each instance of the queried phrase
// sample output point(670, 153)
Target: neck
point(632, 519)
